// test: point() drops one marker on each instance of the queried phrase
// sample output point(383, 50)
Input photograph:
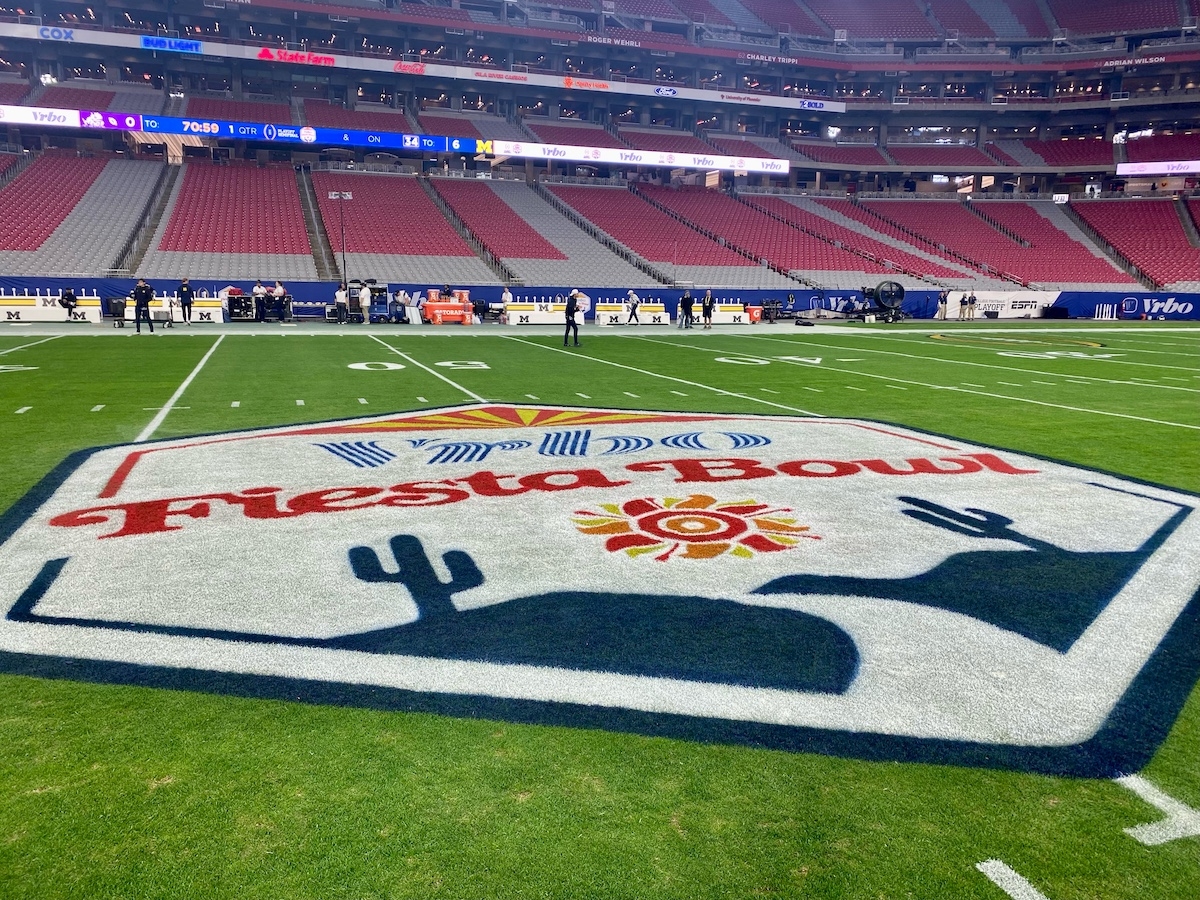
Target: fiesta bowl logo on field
point(808, 584)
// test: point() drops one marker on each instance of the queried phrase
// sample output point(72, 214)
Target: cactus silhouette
point(415, 572)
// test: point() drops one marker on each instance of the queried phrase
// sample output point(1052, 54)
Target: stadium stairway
point(318, 238)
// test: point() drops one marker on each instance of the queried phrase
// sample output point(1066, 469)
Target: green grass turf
point(115, 791)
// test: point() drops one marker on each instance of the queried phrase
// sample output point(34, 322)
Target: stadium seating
point(674, 247)
point(1027, 13)
point(960, 16)
point(29, 213)
point(453, 126)
point(957, 157)
point(394, 231)
point(577, 135)
point(493, 221)
point(1114, 16)
point(237, 209)
point(648, 9)
point(732, 146)
point(1074, 152)
point(426, 11)
point(784, 15)
point(792, 211)
point(704, 11)
point(1148, 233)
point(1052, 256)
point(62, 97)
point(851, 155)
point(895, 19)
point(13, 92)
point(329, 115)
point(238, 110)
point(749, 228)
point(664, 141)
point(88, 238)
point(1163, 148)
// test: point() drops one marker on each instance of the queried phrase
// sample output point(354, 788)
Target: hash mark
point(1047, 383)
point(634, 396)
point(299, 402)
point(584, 396)
point(682, 394)
point(23, 409)
point(814, 390)
point(422, 400)
point(98, 407)
point(896, 387)
point(969, 384)
point(851, 387)
point(235, 404)
point(769, 391)
point(362, 400)
point(531, 397)
point(1009, 384)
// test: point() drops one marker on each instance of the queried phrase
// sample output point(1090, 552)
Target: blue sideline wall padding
point(920, 304)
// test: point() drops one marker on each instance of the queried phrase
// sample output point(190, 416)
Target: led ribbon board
point(382, 140)
point(807, 584)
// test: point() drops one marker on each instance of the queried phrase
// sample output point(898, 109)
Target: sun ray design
point(694, 527)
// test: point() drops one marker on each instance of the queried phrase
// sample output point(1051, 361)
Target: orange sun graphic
point(698, 525)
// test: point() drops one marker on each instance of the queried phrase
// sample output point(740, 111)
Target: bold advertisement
point(632, 157)
point(1177, 167)
point(815, 584)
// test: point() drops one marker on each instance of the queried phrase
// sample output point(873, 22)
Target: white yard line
point(22, 410)
point(453, 384)
point(1181, 822)
point(1009, 881)
point(34, 344)
point(962, 362)
point(694, 384)
point(946, 387)
point(162, 413)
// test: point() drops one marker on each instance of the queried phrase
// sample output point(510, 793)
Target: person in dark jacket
point(142, 295)
point(572, 325)
point(186, 296)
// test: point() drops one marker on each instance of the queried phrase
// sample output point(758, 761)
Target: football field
point(945, 645)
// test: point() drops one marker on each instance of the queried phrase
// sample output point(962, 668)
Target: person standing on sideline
point(686, 304)
point(364, 302)
point(572, 325)
point(186, 297)
point(142, 295)
point(971, 305)
point(260, 301)
point(341, 303)
point(943, 297)
point(962, 307)
point(706, 308)
point(634, 302)
point(507, 297)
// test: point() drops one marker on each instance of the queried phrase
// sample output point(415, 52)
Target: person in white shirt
point(507, 296)
point(341, 302)
point(260, 301)
point(633, 301)
point(364, 301)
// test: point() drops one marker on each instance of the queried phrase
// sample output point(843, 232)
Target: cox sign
point(56, 34)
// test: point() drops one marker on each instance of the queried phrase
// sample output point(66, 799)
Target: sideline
point(452, 384)
point(162, 413)
point(695, 384)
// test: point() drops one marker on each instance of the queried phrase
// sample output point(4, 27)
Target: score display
point(109, 120)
